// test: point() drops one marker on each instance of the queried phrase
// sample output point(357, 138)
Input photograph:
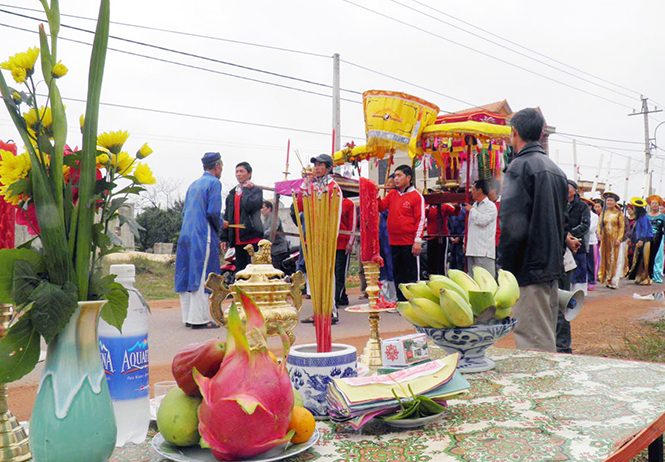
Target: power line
point(408, 83)
point(526, 48)
point(191, 55)
point(217, 119)
point(598, 139)
point(488, 55)
point(604, 147)
point(190, 66)
point(508, 48)
point(169, 31)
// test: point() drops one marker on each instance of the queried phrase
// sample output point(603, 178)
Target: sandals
point(210, 325)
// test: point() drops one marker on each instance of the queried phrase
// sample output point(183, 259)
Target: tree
point(160, 225)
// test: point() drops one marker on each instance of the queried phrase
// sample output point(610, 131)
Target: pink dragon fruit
point(246, 408)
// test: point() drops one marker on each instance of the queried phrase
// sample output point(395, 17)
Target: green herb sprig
point(414, 407)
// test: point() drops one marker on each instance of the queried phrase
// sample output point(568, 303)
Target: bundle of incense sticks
point(319, 238)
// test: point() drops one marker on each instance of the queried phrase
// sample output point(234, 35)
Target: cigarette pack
point(404, 350)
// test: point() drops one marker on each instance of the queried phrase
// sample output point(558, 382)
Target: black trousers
point(436, 255)
point(405, 267)
point(340, 277)
point(242, 257)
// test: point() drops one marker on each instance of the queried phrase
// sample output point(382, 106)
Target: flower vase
point(311, 372)
point(73, 419)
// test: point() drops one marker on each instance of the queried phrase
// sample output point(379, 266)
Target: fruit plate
point(414, 423)
point(198, 454)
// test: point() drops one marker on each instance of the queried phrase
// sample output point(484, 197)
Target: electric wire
point(488, 55)
point(525, 48)
point(597, 139)
point(191, 66)
point(408, 83)
point(169, 31)
point(191, 55)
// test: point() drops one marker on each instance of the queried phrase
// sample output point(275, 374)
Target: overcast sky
point(621, 43)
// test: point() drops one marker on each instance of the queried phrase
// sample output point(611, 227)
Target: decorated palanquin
point(475, 138)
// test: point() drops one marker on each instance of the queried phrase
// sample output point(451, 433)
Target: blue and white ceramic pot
point(311, 372)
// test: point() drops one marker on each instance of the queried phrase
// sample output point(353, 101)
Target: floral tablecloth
point(532, 407)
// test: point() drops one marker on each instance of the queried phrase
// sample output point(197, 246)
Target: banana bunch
point(456, 300)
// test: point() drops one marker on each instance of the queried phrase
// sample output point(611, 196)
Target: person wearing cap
point(577, 226)
point(533, 219)
point(320, 180)
point(611, 229)
point(592, 246)
point(198, 245)
point(658, 227)
point(641, 235)
point(243, 212)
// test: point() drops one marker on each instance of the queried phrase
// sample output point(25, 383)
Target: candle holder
point(14, 443)
point(371, 356)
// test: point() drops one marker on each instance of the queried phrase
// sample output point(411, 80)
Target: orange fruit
point(303, 423)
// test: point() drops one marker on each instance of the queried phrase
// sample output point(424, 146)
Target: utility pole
point(337, 133)
point(647, 144)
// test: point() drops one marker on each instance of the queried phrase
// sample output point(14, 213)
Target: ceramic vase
point(311, 372)
point(73, 420)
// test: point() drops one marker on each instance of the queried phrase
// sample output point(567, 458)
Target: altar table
point(533, 406)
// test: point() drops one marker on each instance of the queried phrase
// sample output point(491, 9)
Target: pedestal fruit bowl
point(462, 314)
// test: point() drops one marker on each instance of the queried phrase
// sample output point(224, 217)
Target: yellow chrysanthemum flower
point(13, 199)
point(102, 160)
point(32, 120)
point(143, 174)
point(144, 152)
point(25, 60)
point(123, 163)
point(113, 141)
point(13, 168)
point(19, 74)
point(59, 70)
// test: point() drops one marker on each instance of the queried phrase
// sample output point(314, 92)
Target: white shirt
point(592, 237)
point(482, 230)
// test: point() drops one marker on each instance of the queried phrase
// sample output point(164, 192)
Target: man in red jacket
point(406, 225)
point(344, 247)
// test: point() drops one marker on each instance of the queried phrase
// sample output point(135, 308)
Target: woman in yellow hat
point(641, 235)
point(611, 228)
point(658, 227)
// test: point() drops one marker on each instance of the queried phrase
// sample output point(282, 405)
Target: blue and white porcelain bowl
point(311, 372)
point(470, 342)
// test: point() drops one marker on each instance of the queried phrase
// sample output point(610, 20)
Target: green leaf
point(133, 225)
point(27, 244)
point(71, 160)
point(115, 311)
point(26, 280)
point(52, 308)
point(19, 187)
point(19, 351)
point(102, 186)
point(86, 212)
point(8, 259)
point(132, 189)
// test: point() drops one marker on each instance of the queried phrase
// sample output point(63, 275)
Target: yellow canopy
point(469, 127)
point(348, 155)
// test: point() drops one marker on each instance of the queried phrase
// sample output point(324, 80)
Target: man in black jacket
point(243, 213)
point(577, 226)
point(533, 219)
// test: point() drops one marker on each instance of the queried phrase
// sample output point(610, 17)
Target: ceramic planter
point(311, 372)
point(73, 420)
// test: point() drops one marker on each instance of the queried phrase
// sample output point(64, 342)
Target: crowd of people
point(535, 224)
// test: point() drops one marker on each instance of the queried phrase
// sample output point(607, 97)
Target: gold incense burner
point(267, 286)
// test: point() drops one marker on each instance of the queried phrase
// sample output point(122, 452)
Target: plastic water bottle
point(125, 360)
